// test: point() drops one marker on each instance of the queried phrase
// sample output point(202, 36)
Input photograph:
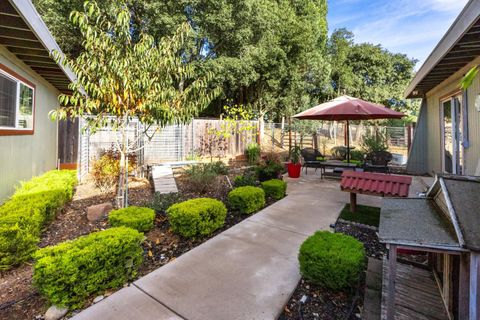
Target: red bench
point(375, 184)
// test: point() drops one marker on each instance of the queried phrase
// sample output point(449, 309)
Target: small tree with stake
point(119, 79)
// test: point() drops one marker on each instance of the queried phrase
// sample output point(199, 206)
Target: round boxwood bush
point(199, 216)
point(138, 218)
point(332, 260)
point(275, 188)
point(247, 199)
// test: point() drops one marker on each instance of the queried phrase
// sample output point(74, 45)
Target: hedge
point(246, 199)
point(137, 218)
point(199, 216)
point(275, 188)
point(68, 273)
point(332, 260)
point(23, 216)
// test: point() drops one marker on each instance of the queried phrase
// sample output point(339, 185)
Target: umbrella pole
point(348, 142)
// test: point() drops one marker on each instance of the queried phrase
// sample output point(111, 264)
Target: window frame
point(8, 131)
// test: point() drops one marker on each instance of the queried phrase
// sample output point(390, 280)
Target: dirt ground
point(20, 300)
point(18, 297)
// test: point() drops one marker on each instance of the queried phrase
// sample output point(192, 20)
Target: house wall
point(24, 156)
point(447, 87)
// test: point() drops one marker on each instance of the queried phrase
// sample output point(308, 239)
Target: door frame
point(457, 143)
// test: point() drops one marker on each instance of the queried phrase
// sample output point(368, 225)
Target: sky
point(413, 27)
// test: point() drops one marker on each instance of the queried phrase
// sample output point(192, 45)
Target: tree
point(157, 18)
point(369, 72)
point(267, 55)
point(339, 47)
point(119, 79)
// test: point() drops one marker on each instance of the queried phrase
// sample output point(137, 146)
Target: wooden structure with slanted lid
point(374, 184)
point(445, 225)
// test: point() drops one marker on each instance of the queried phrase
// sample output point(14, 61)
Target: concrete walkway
point(247, 272)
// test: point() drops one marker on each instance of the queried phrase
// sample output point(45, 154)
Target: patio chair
point(310, 156)
point(377, 161)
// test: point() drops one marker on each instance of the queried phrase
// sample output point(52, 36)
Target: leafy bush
point(23, 216)
point(217, 167)
point(332, 260)
point(162, 201)
point(295, 154)
point(275, 188)
point(202, 176)
point(249, 178)
point(71, 271)
point(137, 218)
point(200, 216)
point(106, 169)
point(339, 152)
point(253, 152)
point(357, 155)
point(246, 199)
point(374, 141)
point(357, 162)
point(270, 167)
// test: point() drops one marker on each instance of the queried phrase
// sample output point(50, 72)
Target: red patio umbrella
point(348, 108)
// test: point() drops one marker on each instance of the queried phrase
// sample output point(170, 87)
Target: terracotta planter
point(294, 169)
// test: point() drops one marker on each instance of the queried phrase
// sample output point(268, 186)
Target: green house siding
point(24, 156)
point(433, 132)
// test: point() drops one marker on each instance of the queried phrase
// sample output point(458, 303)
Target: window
point(17, 103)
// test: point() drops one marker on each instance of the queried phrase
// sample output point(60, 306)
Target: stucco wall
point(472, 153)
point(22, 157)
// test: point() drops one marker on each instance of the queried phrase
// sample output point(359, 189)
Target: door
point(452, 124)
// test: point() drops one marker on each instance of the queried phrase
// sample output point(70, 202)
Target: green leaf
point(467, 80)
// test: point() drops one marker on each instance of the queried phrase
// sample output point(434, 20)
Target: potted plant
point(294, 166)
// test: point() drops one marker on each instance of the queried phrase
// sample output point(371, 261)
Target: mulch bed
point(19, 299)
point(310, 301)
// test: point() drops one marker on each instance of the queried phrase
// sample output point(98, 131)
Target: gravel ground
point(368, 237)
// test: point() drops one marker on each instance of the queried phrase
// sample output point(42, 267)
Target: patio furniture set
point(373, 162)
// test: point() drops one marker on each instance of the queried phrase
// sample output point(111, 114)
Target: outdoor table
point(340, 165)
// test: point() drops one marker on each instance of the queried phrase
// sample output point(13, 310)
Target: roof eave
point(33, 19)
point(460, 26)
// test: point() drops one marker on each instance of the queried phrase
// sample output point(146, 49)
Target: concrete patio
point(247, 272)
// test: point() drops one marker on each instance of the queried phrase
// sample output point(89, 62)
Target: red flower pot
point(294, 169)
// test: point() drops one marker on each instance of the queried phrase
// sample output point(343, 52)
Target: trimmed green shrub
point(332, 260)
point(247, 199)
point(23, 216)
point(195, 217)
point(138, 218)
point(275, 188)
point(71, 271)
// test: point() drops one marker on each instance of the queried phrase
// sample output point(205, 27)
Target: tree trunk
point(261, 125)
point(289, 137)
point(315, 141)
point(122, 183)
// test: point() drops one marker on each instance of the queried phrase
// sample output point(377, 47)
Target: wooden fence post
point(392, 271)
